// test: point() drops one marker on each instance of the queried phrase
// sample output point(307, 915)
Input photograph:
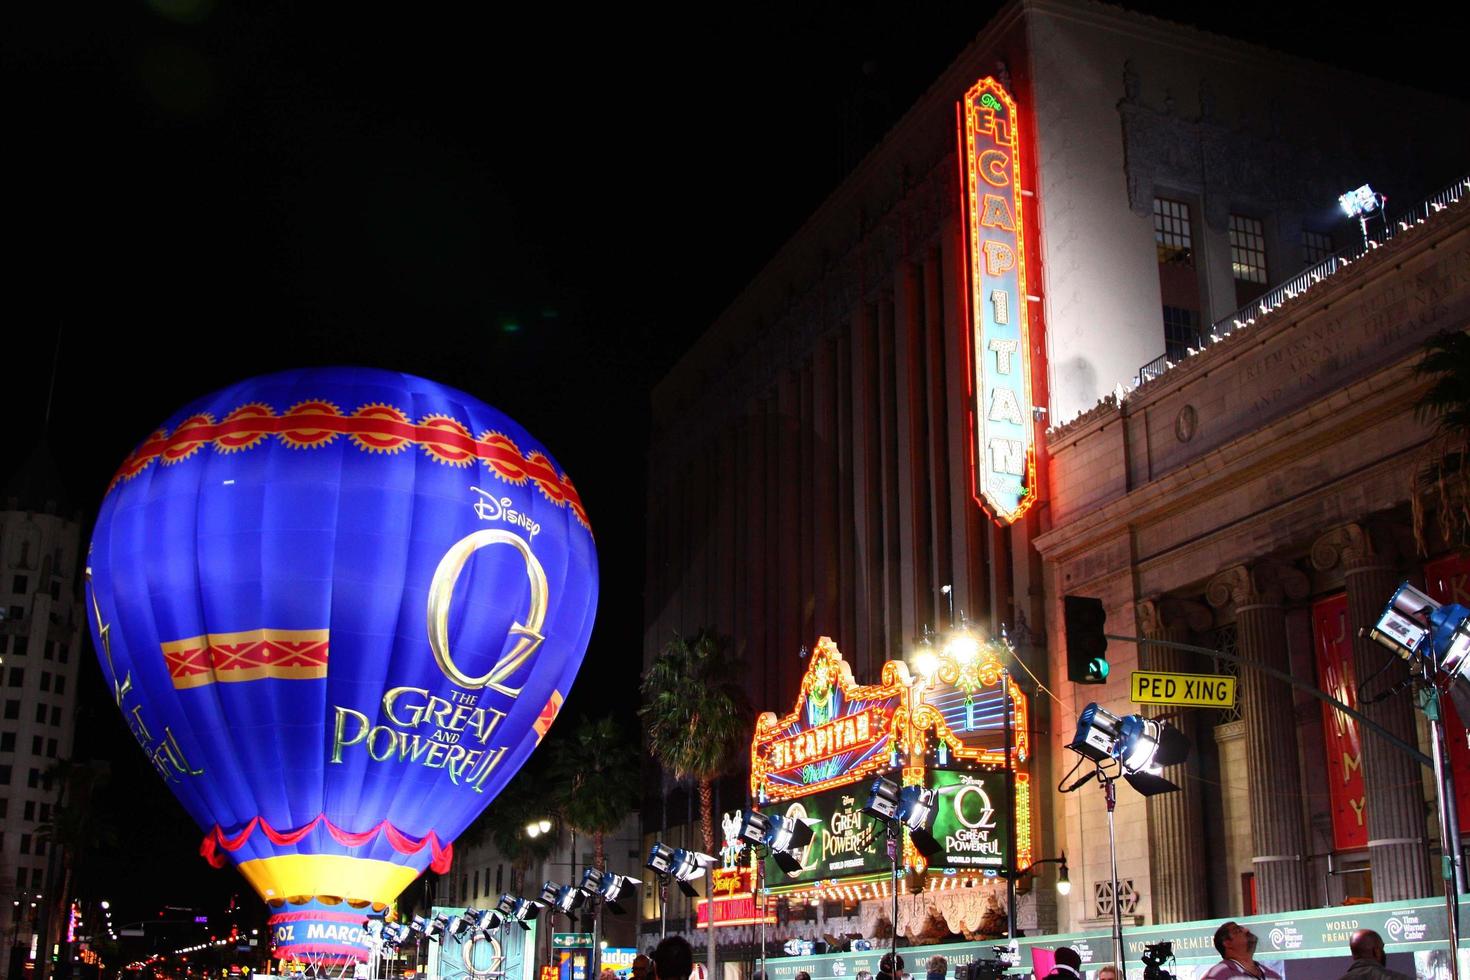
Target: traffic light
point(1087, 647)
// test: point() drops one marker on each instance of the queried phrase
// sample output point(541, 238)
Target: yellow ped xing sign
point(1198, 690)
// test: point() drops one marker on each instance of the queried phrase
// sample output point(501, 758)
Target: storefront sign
point(1003, 432)
point(1336, 675)
point(845, 841)
point(971, 820)
point(839, 733)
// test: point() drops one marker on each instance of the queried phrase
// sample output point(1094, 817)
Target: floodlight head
point(661, 859)
point(789, 833)
point(506, 906)
point(1097, 731)
point(526, 909)
point(883, 799)
point(1146, 745)
point(755, 827)
point(1359, 201)
point(569, 898)
point(1419, 629)
point(916, 809)
point(614, 890)
point(461, 926)
point(549, 891)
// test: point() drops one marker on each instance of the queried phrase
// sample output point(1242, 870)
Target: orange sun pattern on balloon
point(374, 428)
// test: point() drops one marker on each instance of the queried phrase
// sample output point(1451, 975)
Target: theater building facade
point(1088, 322)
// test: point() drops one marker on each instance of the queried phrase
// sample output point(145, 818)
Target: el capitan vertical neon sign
point(1002, 434)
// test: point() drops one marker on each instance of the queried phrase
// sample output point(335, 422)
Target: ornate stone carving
point(1356, 546)
point(1161, 613)
point(1266, 583)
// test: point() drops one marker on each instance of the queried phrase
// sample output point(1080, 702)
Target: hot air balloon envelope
point(338, 609)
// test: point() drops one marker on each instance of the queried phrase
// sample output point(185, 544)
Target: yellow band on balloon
point(348, 878)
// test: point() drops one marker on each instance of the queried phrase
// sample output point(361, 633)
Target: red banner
point(1333, 641)
point(737, 910)
point(1448, 580)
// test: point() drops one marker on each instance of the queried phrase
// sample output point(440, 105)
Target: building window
point(1181, 332)
point(45, 680)
point(20, 585)
point(7, 741)
point(1316, 247)
point(18, 647)
point(1247, 249)
point(20, 879)
point(1171, 231)
point(12, 709)
point(50, 748)
point(40, 714)
point(33, 779)
point(60, 684)
point(4, 775)
point(63, 653)
point(55, 716)
point(17, 677)
point(30, 811)
point(36, 876)
point(17, 613)
point(35, 745)
point(25, 843)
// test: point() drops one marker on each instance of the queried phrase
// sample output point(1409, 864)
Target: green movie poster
point(971, 819)
point(845, 841)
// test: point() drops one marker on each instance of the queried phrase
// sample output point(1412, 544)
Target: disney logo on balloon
point(528, 634)
point(492, 508)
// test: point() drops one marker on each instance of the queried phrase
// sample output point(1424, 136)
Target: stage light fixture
point(569, 898)
point(613, 889)
point(682, 865)
point(883, 799)
point(781, 835)
point(1419, 629)
point(916, 810)
point(1097, 732)
point(1359, 201)
point(1142, 747)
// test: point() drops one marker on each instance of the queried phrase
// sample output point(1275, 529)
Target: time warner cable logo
point(1278, 937)
point(1395, 927)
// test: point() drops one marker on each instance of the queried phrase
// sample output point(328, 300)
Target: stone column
point(1274, 771)
point(1175, 822)
point(1391, 780)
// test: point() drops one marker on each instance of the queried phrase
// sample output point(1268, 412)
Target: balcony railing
point(1305, 280)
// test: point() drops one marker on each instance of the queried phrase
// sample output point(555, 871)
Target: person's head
point(1234, 941)
point(1107, 972)
point(1368, 945)
point(803, 975)
point(938, 966)
point(1067, 956)
point(673, 959)
point(865, 975)
point(607, 975)
point(885, 965)
point(641, 963)
point(758, 975)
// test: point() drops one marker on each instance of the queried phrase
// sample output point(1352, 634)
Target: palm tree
point(696, 713)
point(596, 775)
point(1442, 480)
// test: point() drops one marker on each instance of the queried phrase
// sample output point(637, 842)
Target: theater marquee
point(1002, 432)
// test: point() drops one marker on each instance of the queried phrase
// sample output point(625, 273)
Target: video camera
point(1155, 955)
point(989, 964)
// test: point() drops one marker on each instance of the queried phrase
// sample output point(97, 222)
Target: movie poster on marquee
point(1448, 580)
point(971, 820)
point(845, 841)
point(1333, 643)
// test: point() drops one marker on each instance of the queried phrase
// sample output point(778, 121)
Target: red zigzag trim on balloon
point(443, 854)
point(372, 428)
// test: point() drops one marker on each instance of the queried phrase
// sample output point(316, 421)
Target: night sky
point(542, 209)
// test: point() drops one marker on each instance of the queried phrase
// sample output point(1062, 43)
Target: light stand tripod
point(1110, 795)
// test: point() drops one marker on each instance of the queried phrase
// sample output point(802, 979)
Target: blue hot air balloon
point(338, 608)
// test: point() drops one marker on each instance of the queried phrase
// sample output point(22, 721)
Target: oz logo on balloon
point(338, 609)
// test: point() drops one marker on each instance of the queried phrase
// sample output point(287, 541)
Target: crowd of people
point(673, 959)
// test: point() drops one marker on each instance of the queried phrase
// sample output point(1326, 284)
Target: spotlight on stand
point(522, 910)
point(912, 806)
point(1426, 633)
point(781, 835)
point(1359, 201)
point(682, 865)
point(1142, 747)
point(612, 889)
